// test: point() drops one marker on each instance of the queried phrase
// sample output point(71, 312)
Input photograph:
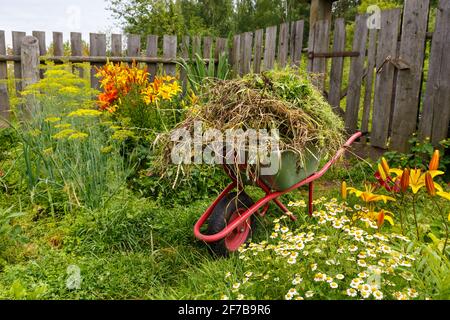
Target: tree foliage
point(212, 17)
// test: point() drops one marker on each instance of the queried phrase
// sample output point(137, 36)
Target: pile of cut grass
point(281, 99)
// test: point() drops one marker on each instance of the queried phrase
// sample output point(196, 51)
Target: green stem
point(445, 224)
point(415, 217)
point(401, 214)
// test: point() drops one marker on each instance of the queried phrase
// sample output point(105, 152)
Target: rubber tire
point(221, 214)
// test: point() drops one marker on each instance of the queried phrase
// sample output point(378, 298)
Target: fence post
point(30, 70)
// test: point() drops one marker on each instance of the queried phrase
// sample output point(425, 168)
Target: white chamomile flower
point(297, 280)
point(340, 276)
point(412, 293)
point(351, 292)
point(240, 297)
point(309, 294)
point(355, 283)
point(378, 295)
point(362, 263)
point(236, 285)
point(228, 274)
point(284, 229)
point(224, 297)
point(362, 274)
point(333, 285)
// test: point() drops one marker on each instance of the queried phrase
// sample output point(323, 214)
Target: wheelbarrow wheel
point(226, 211)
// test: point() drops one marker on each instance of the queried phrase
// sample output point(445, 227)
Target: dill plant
point(70, 151)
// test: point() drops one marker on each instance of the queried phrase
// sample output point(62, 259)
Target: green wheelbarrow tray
point(292, 169)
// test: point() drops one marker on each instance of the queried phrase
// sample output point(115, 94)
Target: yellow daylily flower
point(369, 196)
point(344, 190)
point(417, 179)
point(445, 195)
point(385, 166)
point(382, 172)
point(398, 173)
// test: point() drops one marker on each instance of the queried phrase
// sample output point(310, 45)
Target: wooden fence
point(388, 63)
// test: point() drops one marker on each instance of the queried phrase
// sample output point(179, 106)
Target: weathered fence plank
point(242, 54)
point(409, 81)
point(246, 50)
point(152, 52)
point(387, 49)
point(17, 37)
point(170, 52)
point(258, 50)
point(436, 106)
point(196, 45)
point(30, 71)
point(221, 47)
point(58, 44)
point(185, 55)
point(321, 45)
point(337, 66)
point(283, 44)
point(235, 54)
point(269, 48)
point(40, 35)
point(133, 45)
point(371, 62)
point(76, 44)
point(116, 45)
point(207, 47)
point(291, 42)
point(298, 43)
point(356, 74)
point(76, 49)
point(4, 98)
point(97, 48)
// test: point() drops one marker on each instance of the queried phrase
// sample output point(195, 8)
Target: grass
point(133, 248)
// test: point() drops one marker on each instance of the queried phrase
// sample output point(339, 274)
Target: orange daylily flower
point(404, 180)
point(434, 163)
point(380, 219)
point(429, 184)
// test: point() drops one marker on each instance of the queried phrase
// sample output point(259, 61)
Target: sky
point(56, 15)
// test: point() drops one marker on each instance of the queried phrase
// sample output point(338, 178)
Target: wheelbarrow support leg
point(310, 200)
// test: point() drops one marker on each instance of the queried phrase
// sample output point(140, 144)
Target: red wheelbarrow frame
point(264, 202)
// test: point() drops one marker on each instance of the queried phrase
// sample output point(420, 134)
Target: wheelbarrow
point(231, 217)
